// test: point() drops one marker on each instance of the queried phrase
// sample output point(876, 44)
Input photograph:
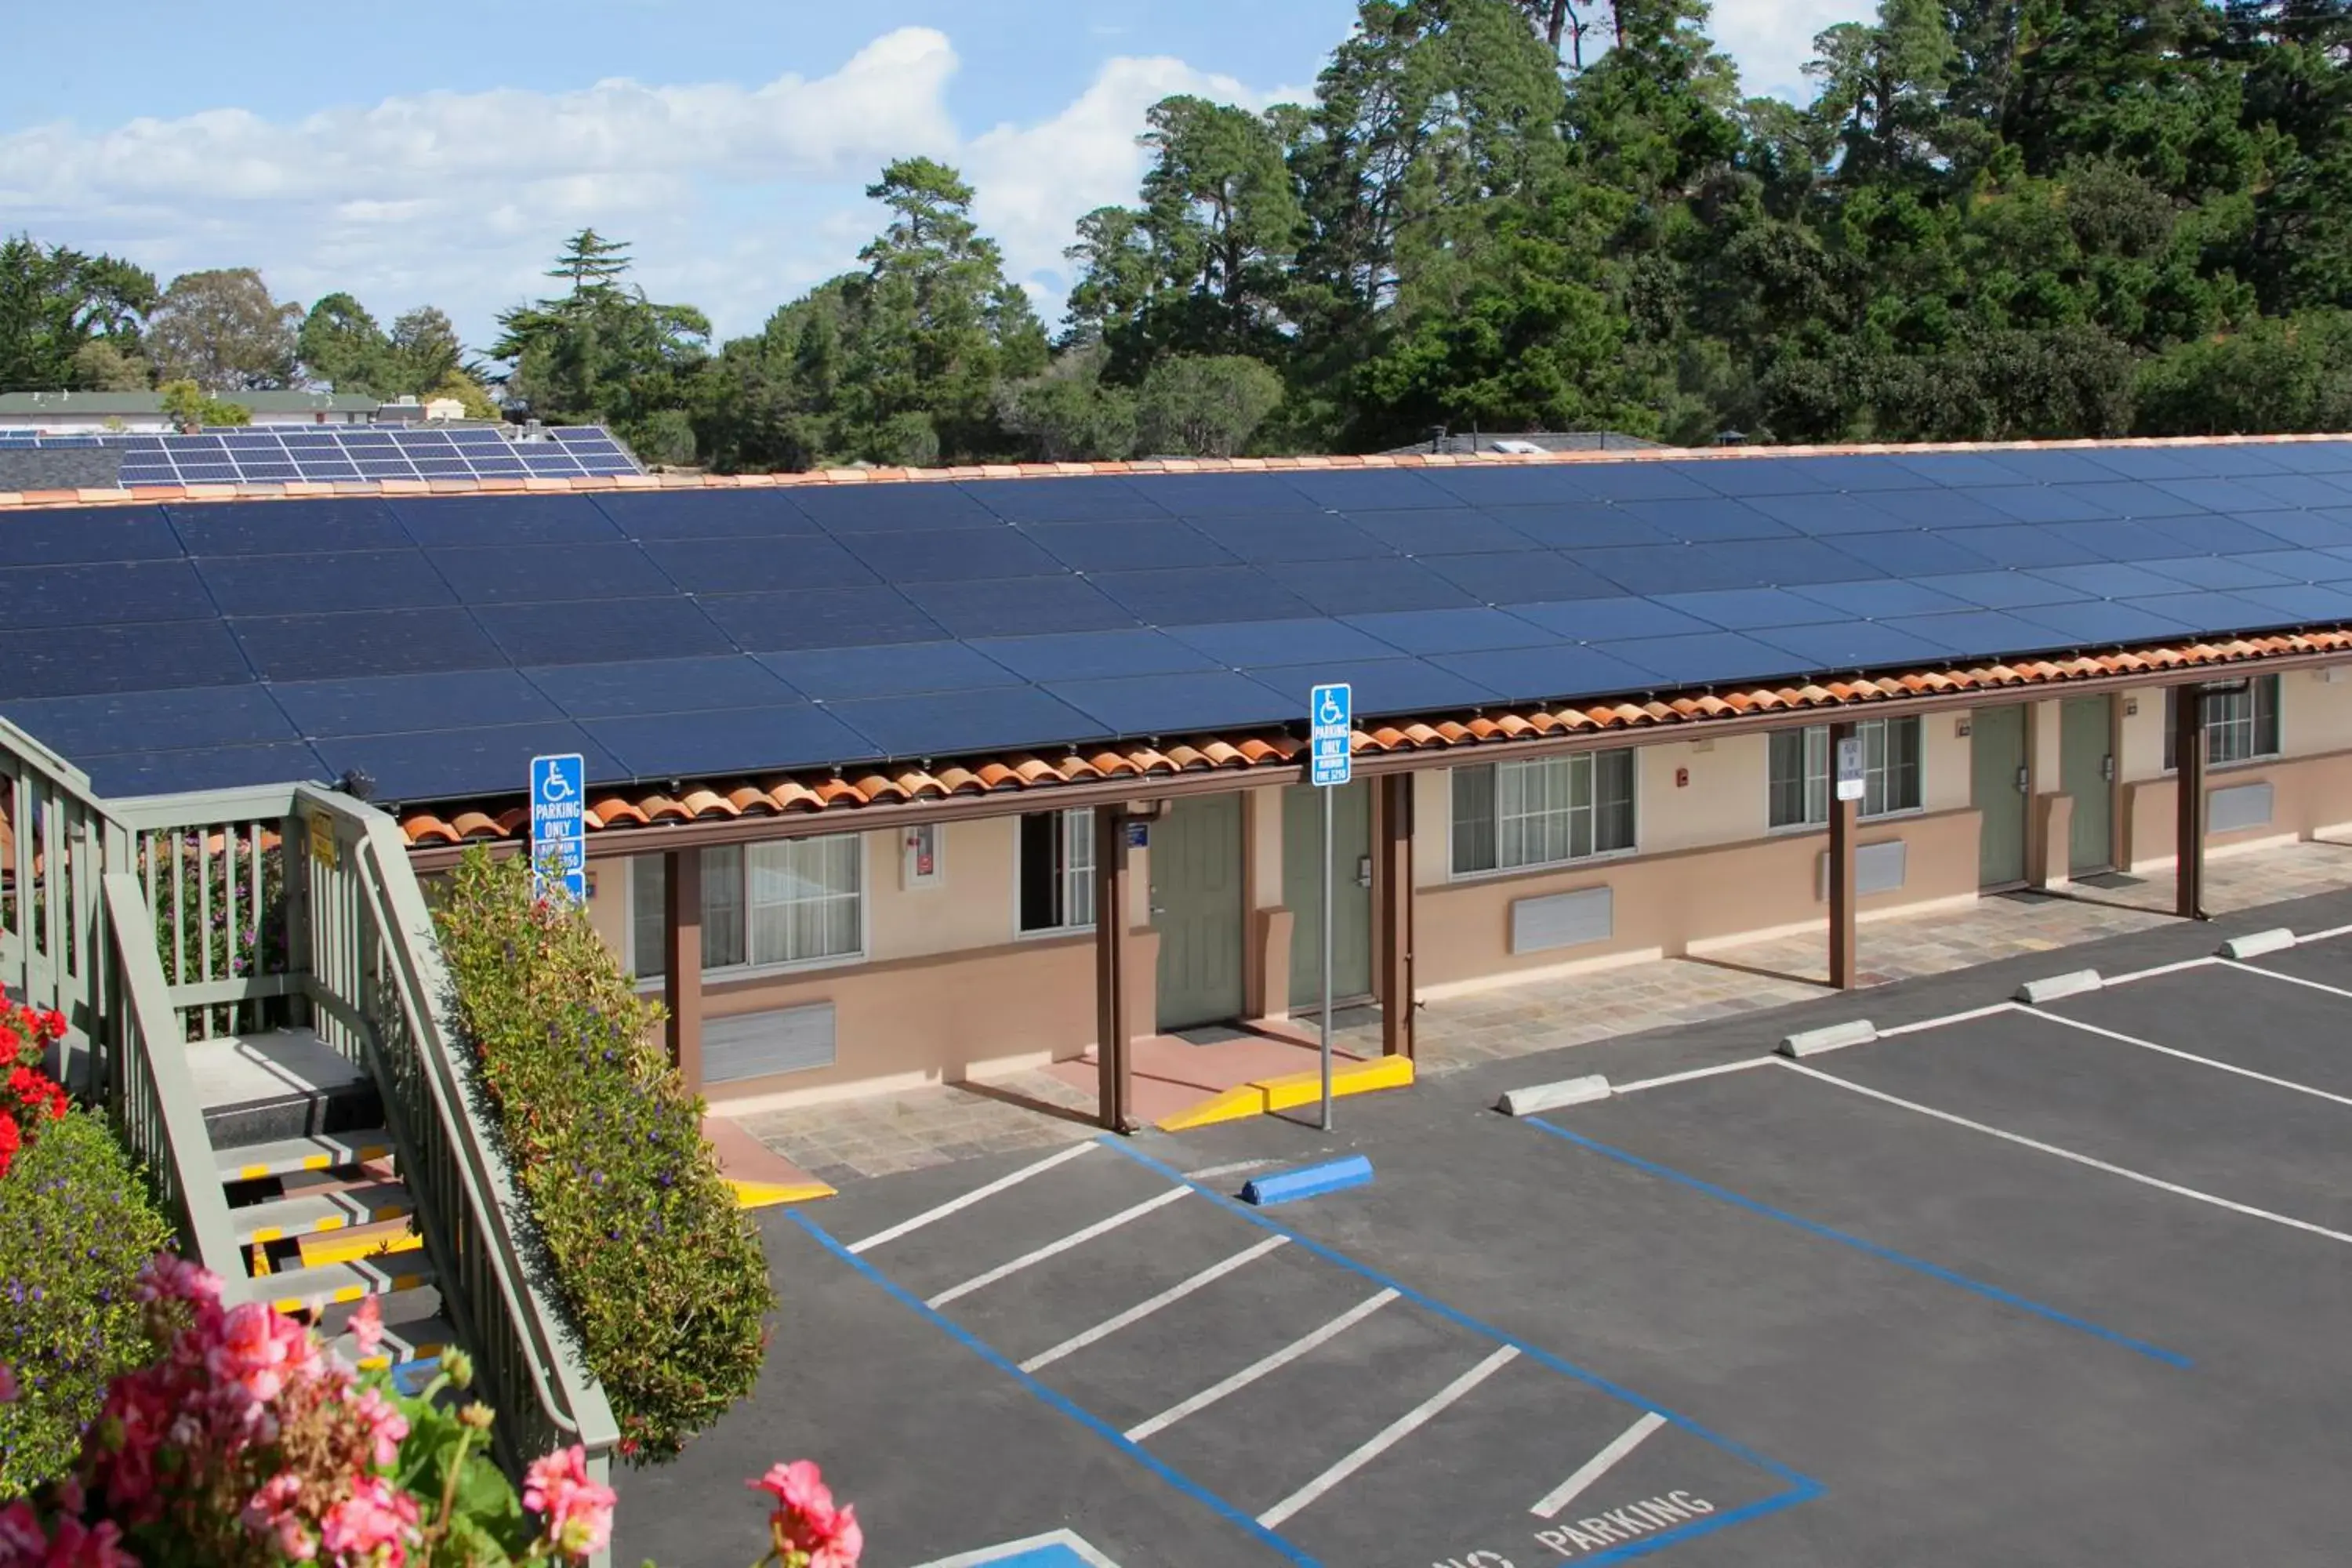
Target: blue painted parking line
point(1885, 1254)
point(1059, 1549)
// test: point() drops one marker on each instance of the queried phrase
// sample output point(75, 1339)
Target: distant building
point(92, 413)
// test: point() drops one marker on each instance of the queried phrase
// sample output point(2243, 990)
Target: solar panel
point(607, 630)
point(892, 669)
point(1450, 631)
point(668, 633)
point(195, 717)
point(1237, 645)
point(1128, 546)
point(309, 583)
point(1055, 656)
point(538, 574)
point(820, 617)
point(1364, 587)
point(275, 454)
point(706, 514)
point(210, 767)
point(724, 740)
point(953, 555)
point(660, 686)
point(103, 593)
point(397, 704)
point(942, 724)
point(757, 565)
point(1380, 685)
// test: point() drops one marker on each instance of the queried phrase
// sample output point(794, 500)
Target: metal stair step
point(383, 1239)
point(315, 1213)
point(319, 1152)
point(352, 1279)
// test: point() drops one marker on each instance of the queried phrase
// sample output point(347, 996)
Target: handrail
point(571, 1407)
point(154, 1099)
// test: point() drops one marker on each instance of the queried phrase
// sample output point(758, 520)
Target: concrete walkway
point(911, 1129)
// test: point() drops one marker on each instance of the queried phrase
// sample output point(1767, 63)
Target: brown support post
point(1841, 897)
point(1392, 912)
point(1115, 1085)
point(682, 961)
point(2189, 813)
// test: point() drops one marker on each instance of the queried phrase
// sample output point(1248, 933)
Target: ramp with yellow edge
point(762, 1177)
point(1291, 1091)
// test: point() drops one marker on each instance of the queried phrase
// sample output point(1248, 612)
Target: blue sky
point(438, 152)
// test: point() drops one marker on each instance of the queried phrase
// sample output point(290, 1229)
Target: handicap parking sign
point(1331, 724)
point(559, 825)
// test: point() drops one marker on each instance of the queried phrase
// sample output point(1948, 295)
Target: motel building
point(906, 777)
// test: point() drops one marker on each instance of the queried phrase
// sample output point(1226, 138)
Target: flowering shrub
point(195, 930)
point(244, 1443)
point(657, 1266)
point(247, 1445)
point(29, 1097)
point(76, 1224)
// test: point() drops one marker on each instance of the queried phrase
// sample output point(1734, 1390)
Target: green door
point(1196, 907)
point(1997, 750)
point(2086, 773)
point(1352, 892)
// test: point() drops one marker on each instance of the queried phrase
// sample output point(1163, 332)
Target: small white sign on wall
point(1848, 768)
point(922, 865)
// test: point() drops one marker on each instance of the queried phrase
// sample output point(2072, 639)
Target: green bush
point(76, 1227)
point(660, 1271)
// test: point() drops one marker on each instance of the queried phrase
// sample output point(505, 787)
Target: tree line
point(1995, 219)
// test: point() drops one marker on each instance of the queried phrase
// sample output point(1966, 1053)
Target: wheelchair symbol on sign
point(1329, 713)
point(553, 787)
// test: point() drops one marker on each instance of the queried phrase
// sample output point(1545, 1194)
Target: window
point(2239, 727)
point(1057, 870)
point(794, 902)
point(1798, 786)
point(1542, 812)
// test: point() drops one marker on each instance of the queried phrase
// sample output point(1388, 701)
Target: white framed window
point(764, 905)
point(1055, 878)
point(1797, 786)
point(2239, 727)
point(1546, 811)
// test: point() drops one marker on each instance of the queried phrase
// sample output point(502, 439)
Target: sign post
point(559, 826)
point(1331, 724)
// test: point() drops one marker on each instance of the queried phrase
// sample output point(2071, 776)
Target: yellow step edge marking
point(350, 1249)
point(768, 1195)
point(1291, 1091)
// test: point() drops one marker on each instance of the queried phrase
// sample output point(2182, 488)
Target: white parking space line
point(1599, 1465)
point(2330, 934)
point(2052, 1149)
point(1388, 1438)
point(972, 1197)
point(1143, 1310)
point(1257, 1369)
point(2185, 963)
point(1692, 1075)
point(1211, 1172)
point(1053, 1248)
point(2229, 1068)
point(2290, 979)
point(1970, 1016)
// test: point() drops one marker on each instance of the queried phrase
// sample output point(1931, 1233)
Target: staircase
point(312, 1181)
point(254, 991)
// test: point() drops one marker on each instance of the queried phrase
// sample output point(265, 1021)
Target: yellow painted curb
point(1293, 1090)
point(768, 1195)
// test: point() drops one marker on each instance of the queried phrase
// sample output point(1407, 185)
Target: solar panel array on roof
point(328, 454)
point(437, 643)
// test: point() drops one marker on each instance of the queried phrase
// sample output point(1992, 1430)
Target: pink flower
point(798, 1486)
point(841, 1547)
point(23, 1541)
point(377, 1523)
point(386, 1426)
point(258, 1349)
point(74, 1546)
point(367, 1327)
point(576, 1511)
point(805, 1523)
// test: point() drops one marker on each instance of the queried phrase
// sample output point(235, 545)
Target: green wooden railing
point(155, 920)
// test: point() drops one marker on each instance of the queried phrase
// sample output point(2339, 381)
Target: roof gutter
point(616, 842)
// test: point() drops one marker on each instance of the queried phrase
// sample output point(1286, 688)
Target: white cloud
point(1772, 39)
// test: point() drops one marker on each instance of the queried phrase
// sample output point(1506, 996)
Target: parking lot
point(2053, 1283)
